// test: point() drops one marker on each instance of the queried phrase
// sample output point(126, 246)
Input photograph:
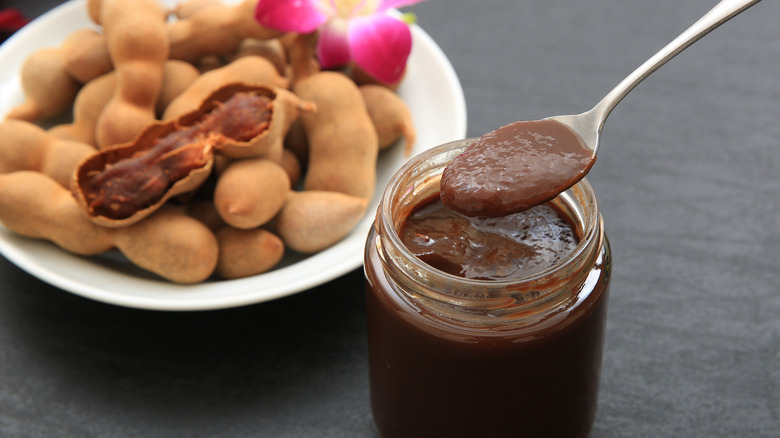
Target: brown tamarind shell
point(114, 154)
point(285, 108)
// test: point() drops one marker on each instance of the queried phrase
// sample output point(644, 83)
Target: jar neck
point(473, 300)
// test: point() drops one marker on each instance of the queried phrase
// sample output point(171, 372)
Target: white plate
point(431, 89)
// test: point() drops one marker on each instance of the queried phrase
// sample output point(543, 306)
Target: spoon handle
point(718, 15)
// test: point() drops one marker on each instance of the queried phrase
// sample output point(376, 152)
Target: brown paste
point(488, 248)
point(514, 168)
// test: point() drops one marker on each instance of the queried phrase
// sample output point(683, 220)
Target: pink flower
point(359, 30)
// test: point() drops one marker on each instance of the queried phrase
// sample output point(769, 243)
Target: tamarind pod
point(343, 144)
point(138, 44)
point(90, 102)
point(250, 70)
point(313, 220)
point(21, 146)
point(48, 87)
point(216, 30)
point(390, 116)
point(95, 94)
point(291, 166)
point(26, 146)
point(86, 55)
point(34, 205)
point(170, 244)
point(272, 50)
point(243, 253)
point(250, 192)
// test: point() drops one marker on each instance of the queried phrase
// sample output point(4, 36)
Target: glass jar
point(457, 357)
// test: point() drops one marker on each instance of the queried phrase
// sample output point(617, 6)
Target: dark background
point(689, 183)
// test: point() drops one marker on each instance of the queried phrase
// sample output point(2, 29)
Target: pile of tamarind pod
point(201, 144)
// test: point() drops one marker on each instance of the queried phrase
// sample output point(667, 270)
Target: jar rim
point(588, 223)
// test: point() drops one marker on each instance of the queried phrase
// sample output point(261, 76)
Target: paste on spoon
point(514, 168)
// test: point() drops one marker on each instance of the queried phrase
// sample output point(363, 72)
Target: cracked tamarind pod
point(121, 185)
point(284, 108)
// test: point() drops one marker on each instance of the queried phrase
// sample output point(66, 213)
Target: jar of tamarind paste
point(484, 327)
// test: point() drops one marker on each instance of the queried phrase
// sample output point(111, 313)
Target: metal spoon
point(527, 163)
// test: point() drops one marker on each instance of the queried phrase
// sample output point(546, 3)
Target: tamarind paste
point(488, 248)
point(481, 326)
point(514, 168)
